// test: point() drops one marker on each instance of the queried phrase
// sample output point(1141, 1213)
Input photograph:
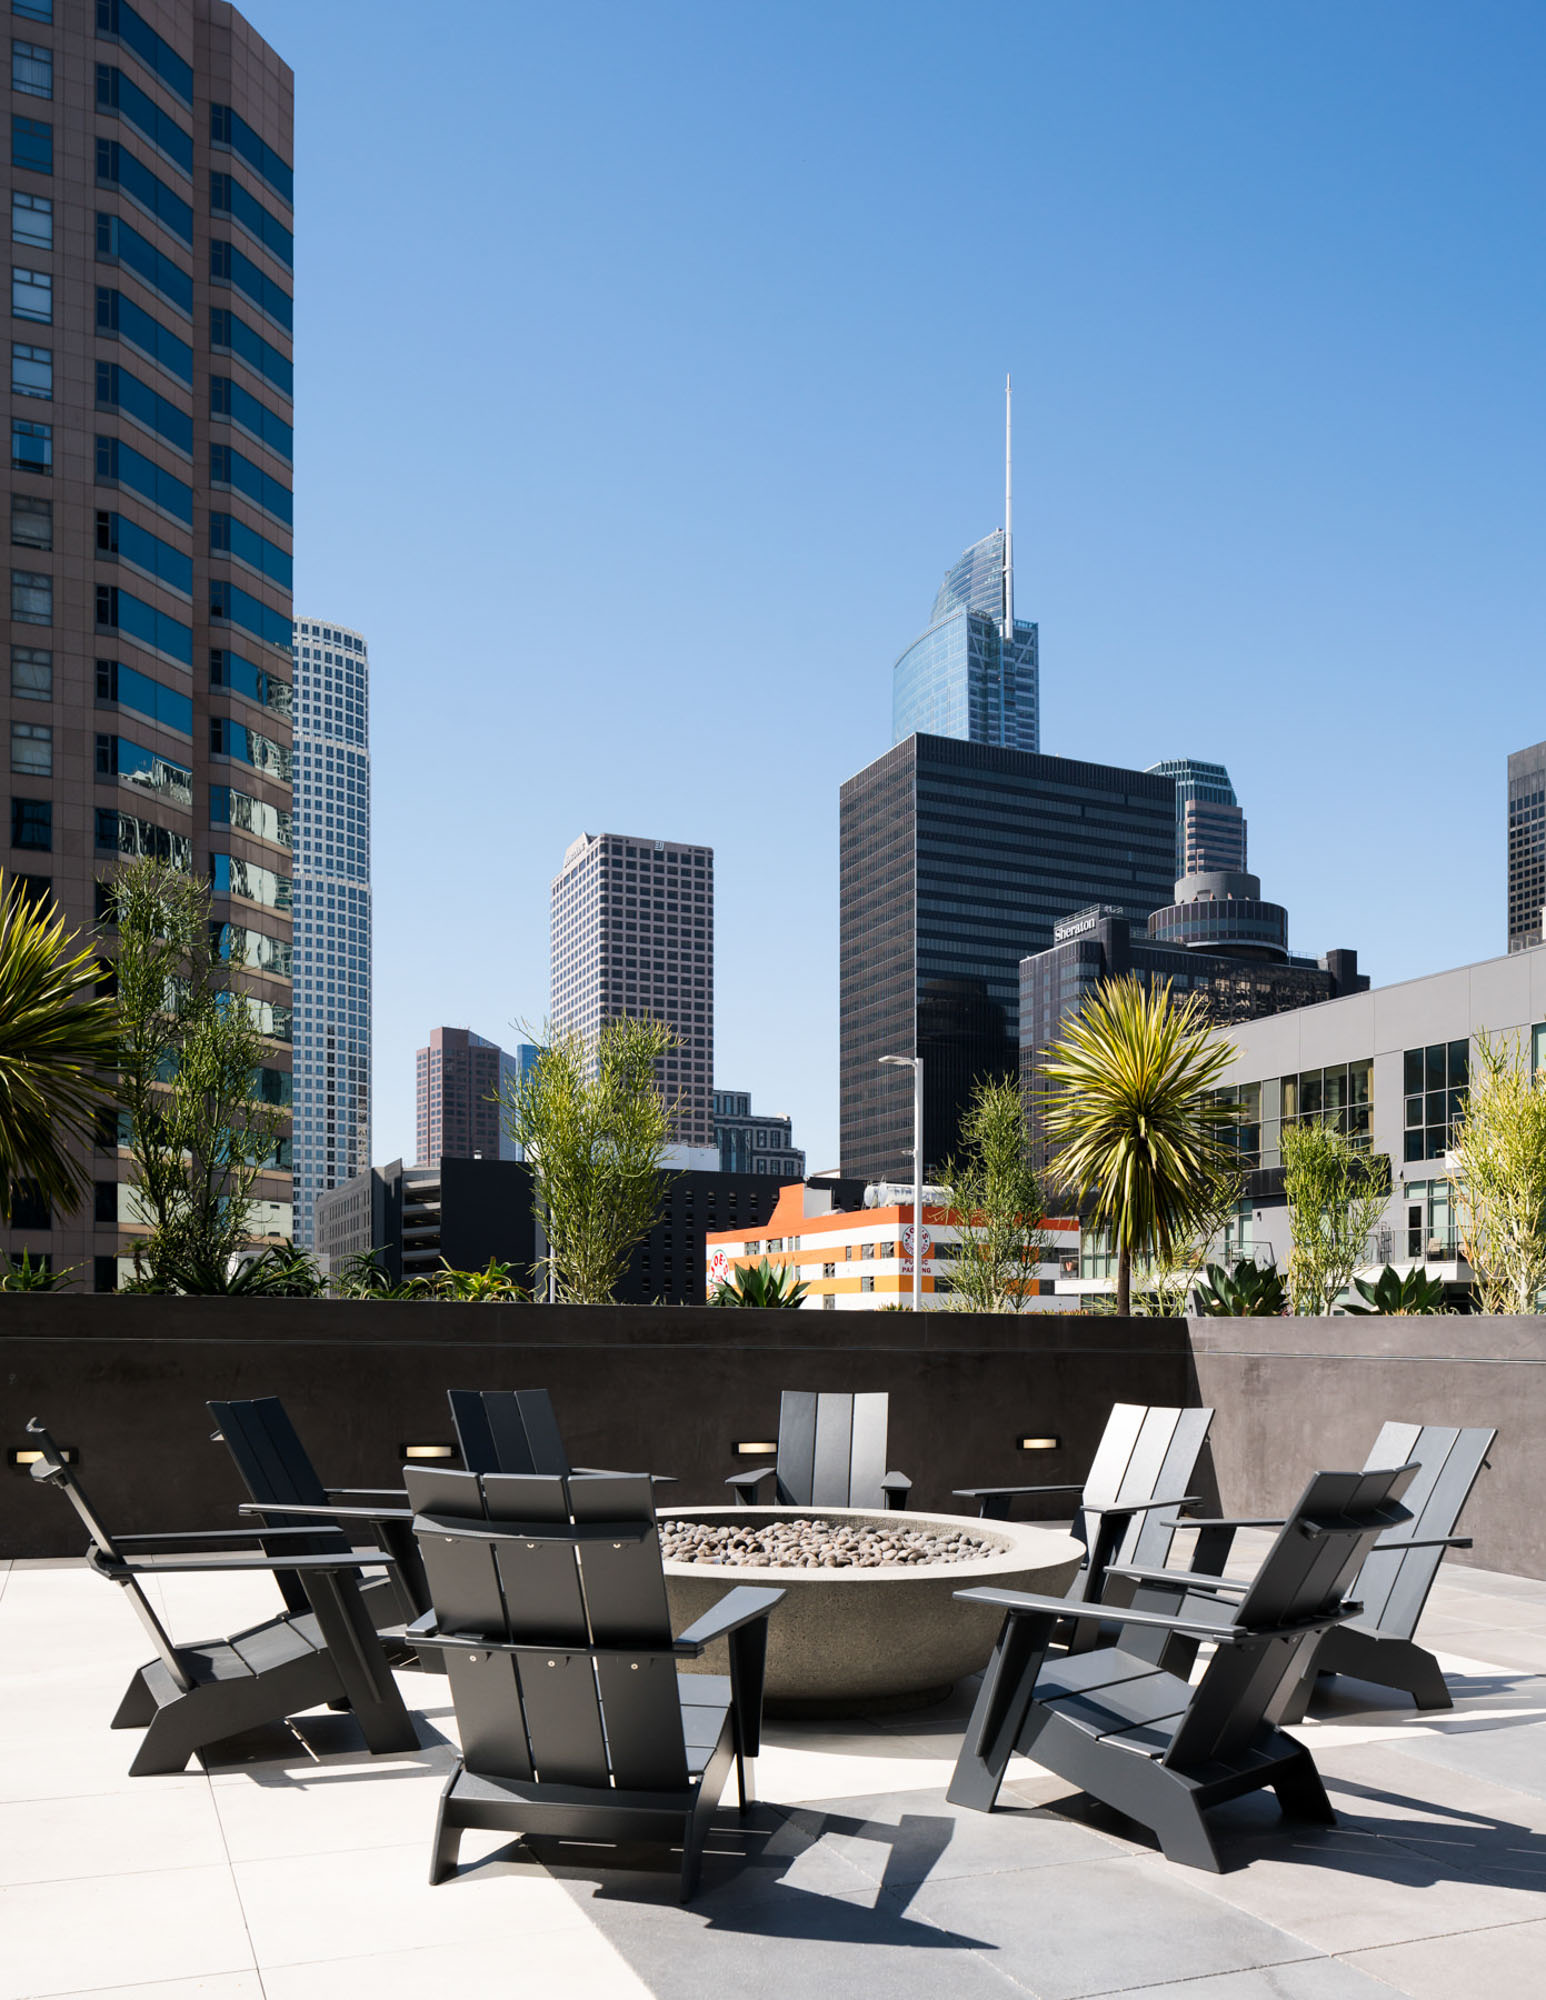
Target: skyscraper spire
point(1009, 515)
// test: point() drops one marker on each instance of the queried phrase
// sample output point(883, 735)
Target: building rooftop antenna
point(1009, 514)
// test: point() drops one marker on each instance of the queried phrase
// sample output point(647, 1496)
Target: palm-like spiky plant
point(1124, 1103)
point(760, 1284)
point(1399, 1296)
point(1246, 1292)
point(57, 1037)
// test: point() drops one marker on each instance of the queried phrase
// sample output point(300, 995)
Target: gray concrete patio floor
point(303, 1874)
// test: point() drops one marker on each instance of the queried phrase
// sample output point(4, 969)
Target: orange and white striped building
point(859, 1259)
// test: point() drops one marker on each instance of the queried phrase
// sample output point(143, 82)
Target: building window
point(32, 295)
point(32, 674)
point(32, 69)
point(32, 220)
point(32, 749)
point(32, 522)
point(32, 446)
point(32, 371)
point(1434, 1083)
point(32, 824)
point(29, 1210)
point(866, 1284)
point(32, 145)
point(32, 597)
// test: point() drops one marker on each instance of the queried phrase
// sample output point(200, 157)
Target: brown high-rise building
point(148, 680)
point(459, 1081)
point(633, 934)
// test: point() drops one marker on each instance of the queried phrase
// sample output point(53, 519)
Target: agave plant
point(760, 1285)
point(1247, 1292)
point(493, 1285)
point(22, 1275)
point(1396, 1296)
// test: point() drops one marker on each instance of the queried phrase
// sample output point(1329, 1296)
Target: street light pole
point(915, 1064)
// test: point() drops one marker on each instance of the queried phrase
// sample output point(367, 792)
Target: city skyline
point(697, 536)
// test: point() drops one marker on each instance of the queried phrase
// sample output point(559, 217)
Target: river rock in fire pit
point(813, 1542)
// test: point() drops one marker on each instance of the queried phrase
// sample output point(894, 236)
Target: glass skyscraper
point(973, 674)
point(332, 913)
point(1205, 796)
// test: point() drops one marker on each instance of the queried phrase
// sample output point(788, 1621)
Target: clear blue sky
point(649, 378)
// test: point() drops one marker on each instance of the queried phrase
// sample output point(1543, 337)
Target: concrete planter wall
point(125, 1380)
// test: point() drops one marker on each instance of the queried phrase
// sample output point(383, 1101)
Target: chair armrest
point(1020, 1603)
point(738, 1607)
point(1226, 1521)
point(1178, 1579)
point(211, 1535)
point(976, 1492)
point(162, 1565)
point(747, 1481)
point(1430, 1542)
point(606, 1472)
point(1148, 1506)
point(326, 1513)
point(397, 1493)
point(896, 1486)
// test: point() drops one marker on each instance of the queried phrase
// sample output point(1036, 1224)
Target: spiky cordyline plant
point(57, 1037)
point(1124, 1103)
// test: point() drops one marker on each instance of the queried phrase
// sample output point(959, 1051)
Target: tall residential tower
point(973, 674)
point(148, 694)
point(633, 934)
point(332, 913)
point(460, 1081)
point(1526, 847)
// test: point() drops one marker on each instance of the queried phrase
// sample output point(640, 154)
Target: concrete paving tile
point(268, 1812)
point(1511, 1960)
point(1308, 1979)
point(901, 1838)
point(298, 1909)
point(56, 1839)
point(210, 1986)
point(120, 1929)
point(792, 1942)
point(1512, 1755)
point(578, 1964)
point(1101, 1926)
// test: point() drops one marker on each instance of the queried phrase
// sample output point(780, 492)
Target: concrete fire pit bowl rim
point(1017, 1546)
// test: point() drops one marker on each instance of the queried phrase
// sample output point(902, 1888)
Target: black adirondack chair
point(1141, 1476)
point(550, 1608)
point(1148, 1742)
point(190, 1696)
point(516, 1430)
point(831, 1453)
point(1399, 1572)
point(283, 1483)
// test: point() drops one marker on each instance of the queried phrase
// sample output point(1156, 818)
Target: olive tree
point(1498, 1177)
point(594, 1123)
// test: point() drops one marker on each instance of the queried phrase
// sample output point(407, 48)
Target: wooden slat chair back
point(550, 1606)
point(1145, 1740)
point(508, 1430)
point(831, 1453)
point(285, 1487)
point(192, 1695)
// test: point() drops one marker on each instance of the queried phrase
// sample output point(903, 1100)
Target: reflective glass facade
point(964, 677)
point(1203, 784)
point(332, 911)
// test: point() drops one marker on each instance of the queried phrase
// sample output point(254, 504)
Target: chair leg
point(1422, 1679)
point(1182, 1834)
point(999, 1713)
point(172, 1738)
point(138, 1706)
point(1301, 1793)
point(448, 1835)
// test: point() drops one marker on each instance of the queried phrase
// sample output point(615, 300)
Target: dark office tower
point(1526, 846)
point(1210, 827)
point(148, 695)
point(957, 860)
point(461, 1081)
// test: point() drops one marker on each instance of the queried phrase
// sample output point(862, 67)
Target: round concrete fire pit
point(846, 1641)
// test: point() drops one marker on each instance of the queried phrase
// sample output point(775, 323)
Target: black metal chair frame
point(831, 1453)
point(1144, 1740)
point(551, 1613)
point(1398, 1573)
point(190, 1696)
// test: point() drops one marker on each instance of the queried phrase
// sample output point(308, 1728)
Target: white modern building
point(633, 935)
point(1390, 1068)
point(332, 913)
